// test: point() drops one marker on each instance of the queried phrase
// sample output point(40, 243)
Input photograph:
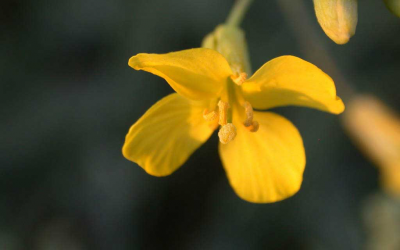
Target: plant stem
point(238, 11)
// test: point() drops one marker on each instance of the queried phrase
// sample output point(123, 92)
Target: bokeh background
point(68, 98)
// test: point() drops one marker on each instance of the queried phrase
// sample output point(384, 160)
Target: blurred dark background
point(68, 98)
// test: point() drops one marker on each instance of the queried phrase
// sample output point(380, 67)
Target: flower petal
point(267, 165)
point(195, 73)
point(289, 80)
point(166, 135)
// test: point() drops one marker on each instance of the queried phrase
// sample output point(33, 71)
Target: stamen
point(227, 133)
point(248, 109)
point(251, 125)
point(239, 78)
point(210, 115)
point(223, 112)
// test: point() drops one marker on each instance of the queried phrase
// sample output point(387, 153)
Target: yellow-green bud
point(393, 6)
point(338, 18)
point(230, 42)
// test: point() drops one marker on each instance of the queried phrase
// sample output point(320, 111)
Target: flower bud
point(338, 18)
point(231, 43)
point(376, 130)
point(393, 6)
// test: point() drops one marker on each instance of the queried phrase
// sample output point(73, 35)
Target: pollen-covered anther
point(223, 112)
point(239, 78)
point(210, 115)
point(227, 133)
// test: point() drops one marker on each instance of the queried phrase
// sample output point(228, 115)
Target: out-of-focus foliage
point(381, 216)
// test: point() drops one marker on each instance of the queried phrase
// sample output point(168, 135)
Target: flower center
point(232, 99)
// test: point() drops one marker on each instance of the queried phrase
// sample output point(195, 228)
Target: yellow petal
point(195, 73)
point(289, 80)
point(338, 18)
point(166, 135)
point(267, 165)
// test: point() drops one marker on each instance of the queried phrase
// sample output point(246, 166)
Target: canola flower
point(262, 152)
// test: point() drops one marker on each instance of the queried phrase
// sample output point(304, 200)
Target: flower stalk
point(237, 12)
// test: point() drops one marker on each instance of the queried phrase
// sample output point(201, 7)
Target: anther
point(239, 78)
point(223, 112)
point(210, 115)
point(253, 127)
point(227, 133)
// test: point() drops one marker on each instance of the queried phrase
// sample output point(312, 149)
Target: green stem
point(237, 12)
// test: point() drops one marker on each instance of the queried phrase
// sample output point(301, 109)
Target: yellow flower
point(262, 152)
point(338, 18)
point(376, 130)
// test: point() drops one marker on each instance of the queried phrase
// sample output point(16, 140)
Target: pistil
point(227, 131)
point(223, 112)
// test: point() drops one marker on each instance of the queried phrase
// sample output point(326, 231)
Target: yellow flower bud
point(376, 130)
point(338, 18)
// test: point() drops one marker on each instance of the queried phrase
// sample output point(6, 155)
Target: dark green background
point(68, 98)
